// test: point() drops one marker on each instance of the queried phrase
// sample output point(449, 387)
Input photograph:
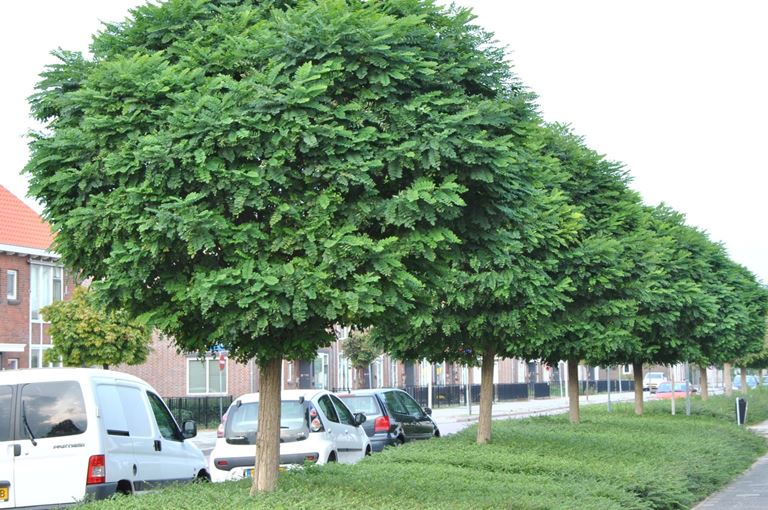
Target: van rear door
point(51, 429)
point(8, 448)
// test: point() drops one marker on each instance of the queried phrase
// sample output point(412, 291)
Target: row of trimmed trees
point(251, 174)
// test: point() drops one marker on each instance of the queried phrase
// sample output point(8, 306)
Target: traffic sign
point(222, 361)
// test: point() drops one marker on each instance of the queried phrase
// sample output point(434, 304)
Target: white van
point(68, 434)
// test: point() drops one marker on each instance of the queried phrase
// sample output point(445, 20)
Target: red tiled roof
point(20, 225)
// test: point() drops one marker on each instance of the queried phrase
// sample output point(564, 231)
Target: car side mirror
point(189, 429)
point(428, 410)
point(360, 419)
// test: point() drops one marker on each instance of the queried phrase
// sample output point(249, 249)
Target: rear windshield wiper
point(26, 424)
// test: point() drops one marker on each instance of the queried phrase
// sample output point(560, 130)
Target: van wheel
point(124, 488)
point(203, 477)
point(368, 451)
point(332, 457)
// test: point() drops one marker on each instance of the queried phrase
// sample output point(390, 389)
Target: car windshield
point(362, 404)
point(667, 387)
point(242, 420)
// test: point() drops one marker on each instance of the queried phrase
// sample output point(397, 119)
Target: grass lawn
point(609, 461)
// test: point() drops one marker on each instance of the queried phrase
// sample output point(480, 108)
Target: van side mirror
point(189, 429)
point(360, 419)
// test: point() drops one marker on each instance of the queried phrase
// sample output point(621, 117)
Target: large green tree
point(361, 351)
point(85, 334)
point(503, 279)
point(252, 173)
point(607, 266)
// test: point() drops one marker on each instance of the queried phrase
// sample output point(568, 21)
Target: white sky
point(677, 90)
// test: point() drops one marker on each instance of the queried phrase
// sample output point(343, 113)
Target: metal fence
point(206, 411)
point(456, 394)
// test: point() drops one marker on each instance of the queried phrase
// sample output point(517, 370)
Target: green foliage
point(609, 264)
point(360, 349)
point(84, 334)
point(609, 461)
point(250, 174)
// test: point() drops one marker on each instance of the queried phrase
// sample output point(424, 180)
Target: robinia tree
point(252, 173)
point(361, 351)
point(86, 334)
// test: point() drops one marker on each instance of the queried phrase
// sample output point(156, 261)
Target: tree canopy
point(251, 174)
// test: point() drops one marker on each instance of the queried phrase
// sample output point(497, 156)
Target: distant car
point(393, 416)
point(752, 382)
point(664, 390)
point(652, 379)
point(315, 427)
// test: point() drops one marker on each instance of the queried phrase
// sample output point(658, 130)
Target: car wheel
point(332, 457)
point(368, 451)
point(203, 477)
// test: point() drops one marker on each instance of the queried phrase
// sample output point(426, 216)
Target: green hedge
point(609, 461)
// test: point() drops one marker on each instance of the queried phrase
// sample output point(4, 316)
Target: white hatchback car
point(316, 427)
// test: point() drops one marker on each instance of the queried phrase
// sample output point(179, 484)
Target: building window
point(204, 376)
point(321, 371)
point(12, 285)
point(37, 357)
point(46, 287)
point(625, 369)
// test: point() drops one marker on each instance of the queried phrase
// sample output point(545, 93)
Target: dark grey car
point(393, 417)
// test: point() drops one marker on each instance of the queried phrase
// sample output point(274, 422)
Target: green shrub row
point(609, 461)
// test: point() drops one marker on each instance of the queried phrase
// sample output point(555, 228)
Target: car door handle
point(158, 445)
point(16, 450)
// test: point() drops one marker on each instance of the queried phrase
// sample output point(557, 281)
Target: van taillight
point(97, 470)
point(381, 424)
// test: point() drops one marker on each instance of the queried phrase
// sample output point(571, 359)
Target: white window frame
point(41, 348)
point(12, 295)
point(322, 376)
point(32, 290)
point(208, 362)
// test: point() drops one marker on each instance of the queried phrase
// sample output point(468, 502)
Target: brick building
point(31, 277)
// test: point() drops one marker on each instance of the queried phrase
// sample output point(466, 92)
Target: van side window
point(123, 410)
point(52, 409)
point(6, 397)
point(164, 419)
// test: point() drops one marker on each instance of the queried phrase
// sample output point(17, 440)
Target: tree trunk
point(359, 378)
point(727, 381)
point(486, 396)
point(105, 366)
point(573, 390)
point(637, 371)
point(268, 433)
point(704, 383)
point(743, 377)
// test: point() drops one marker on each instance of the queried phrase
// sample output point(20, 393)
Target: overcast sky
point(676, 90)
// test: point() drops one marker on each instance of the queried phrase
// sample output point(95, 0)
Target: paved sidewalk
point(525, 408)
point(747, 492)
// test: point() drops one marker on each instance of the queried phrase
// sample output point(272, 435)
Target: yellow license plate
point(3, 493)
